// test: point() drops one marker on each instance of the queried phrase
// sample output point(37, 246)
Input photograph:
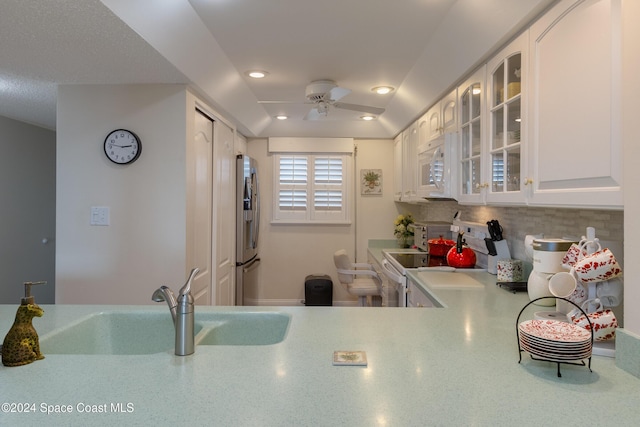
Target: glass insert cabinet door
point(470, 138)
point(505, 112)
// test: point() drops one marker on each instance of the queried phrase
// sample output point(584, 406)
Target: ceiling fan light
point(256, 74)
point(322, 107)
point(382, 90)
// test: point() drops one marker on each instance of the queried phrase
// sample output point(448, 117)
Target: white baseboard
point(293, 302)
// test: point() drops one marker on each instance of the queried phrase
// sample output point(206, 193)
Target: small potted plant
point(402, 231)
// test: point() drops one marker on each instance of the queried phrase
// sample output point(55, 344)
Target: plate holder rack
point(558, 362)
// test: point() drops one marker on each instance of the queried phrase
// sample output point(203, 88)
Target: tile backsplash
point(517, 222)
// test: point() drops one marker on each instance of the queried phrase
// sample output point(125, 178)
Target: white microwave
point(435, 168)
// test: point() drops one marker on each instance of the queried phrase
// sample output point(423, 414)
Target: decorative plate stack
point(554, 340)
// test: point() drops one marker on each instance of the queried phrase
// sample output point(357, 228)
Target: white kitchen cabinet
point(438, 119)
point(397, 168)
point(471, 106)
point(410, 164)
point(575, 147)
point(416, 297)
point(506, 99)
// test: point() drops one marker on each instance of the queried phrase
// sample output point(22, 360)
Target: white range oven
point(395, 265)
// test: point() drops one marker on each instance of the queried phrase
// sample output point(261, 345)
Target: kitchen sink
point(114, 332)
point(241, 328)
point(148, 332)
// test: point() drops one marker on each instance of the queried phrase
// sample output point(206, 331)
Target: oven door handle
point(391, 272)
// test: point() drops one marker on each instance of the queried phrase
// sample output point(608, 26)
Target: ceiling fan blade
point(361, 108)
point(313, 114)
point(338, 93)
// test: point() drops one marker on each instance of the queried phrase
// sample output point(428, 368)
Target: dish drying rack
point(585, 353)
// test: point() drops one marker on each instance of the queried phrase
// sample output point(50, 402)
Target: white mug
point(610, 292)
point(562, 284)
point(577, 297)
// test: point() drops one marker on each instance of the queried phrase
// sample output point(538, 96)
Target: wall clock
point(122, 146)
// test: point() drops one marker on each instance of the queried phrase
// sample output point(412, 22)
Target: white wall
point(144, 247)
point(27, 210)
point(631, 149)
point(291, 252)
point(375, 214)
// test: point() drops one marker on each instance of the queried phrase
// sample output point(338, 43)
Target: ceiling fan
point(324, 94)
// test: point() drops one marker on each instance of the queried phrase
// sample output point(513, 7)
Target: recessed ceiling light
point(282, 117)
point(382, 90)
point(367, 118)
point(256, 74)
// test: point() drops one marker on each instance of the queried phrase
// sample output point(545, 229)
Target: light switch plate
point(99, 215)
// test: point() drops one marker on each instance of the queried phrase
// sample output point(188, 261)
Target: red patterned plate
point(555, 347)
point(555, 356)
point(555, 330)
point(555, 344)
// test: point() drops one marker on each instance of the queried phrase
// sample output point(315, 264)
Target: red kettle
point(461, 256)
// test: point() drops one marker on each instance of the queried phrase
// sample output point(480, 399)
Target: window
point(312, 188)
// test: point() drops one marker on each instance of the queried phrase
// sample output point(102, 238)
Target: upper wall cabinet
point(506, 89)
point(410, 163)
point(397, 168)
point(471, 107)
point(575, 153)
point(439, 119)
point(405, 164)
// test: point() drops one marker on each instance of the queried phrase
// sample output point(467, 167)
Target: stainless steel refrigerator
point(247, 226)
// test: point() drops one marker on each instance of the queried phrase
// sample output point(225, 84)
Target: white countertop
point(443, 366)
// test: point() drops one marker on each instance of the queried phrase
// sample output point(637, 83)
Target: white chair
point(368, 285)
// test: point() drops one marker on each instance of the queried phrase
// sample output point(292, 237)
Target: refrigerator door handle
point(251, 266)
point(256, 220)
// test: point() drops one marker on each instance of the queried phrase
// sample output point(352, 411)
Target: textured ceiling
point(45, 43)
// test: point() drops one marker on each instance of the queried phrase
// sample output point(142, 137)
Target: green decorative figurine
point(21, 346)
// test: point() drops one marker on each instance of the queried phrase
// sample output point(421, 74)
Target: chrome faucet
point(181, 312)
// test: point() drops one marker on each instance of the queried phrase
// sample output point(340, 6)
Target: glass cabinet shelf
point(505, 124)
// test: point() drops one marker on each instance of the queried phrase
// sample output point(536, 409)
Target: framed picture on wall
point(371, 182)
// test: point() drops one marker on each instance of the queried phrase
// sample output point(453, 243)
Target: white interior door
point(202, 207)
point(224, 214)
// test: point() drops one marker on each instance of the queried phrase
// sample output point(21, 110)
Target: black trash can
point(318, 290)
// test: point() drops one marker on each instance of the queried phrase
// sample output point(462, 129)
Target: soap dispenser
point(21, 345)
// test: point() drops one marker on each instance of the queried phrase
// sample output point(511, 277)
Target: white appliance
point(395, 265)
point(247, 222)
point(396, 274)
point(434, 168)
point(422, 232)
